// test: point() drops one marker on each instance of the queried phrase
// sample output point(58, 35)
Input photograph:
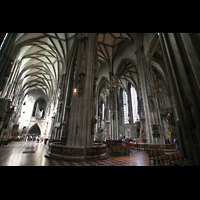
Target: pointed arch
point(127, 71)
point(36, 126)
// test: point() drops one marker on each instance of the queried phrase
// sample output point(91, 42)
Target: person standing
point(127, 142)
point(176, 143)
point(123, 141)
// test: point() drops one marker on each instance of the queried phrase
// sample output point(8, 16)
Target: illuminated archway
point(35, 129)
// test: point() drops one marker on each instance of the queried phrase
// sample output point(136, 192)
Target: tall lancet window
point(103, 111)
point(134, 104)
point(125, 103)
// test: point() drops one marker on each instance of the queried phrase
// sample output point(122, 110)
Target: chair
point(171, 160)
point(150, 147)
point(147, 147)
point(127, 149)
point(157, 146)
point(151, 157)
point(176, 159)
point(160, 157)
point(131, 146)
point(164, 156)
point(156, 157)
point(119, 149)
point(183, 161)
point(123, 149)
point(143, 147)
point(114, 150)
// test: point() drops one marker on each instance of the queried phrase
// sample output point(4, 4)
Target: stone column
point(159, 122)
point(114, 118)
point(121, 112)
point(3, 110)
point(142, 132)
point(182, 61)
point(52, 127)
point(142, 77)
point(116, 115)
point(65, 125)
point(60, 107)
point(82, 114)
point(6, 61)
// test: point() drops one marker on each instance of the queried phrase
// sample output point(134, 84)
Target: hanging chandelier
point(156, 83)
point(113, 84)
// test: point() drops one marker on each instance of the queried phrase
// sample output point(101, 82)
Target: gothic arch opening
point(34, 130)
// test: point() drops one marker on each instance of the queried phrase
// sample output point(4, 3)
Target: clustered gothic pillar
point(65, 126)
point(6, 61)
point(142, 78)
point(121, 113)
point(6, 110)
point(82, 114)
point(60, 108)
point(113, 107)
point(181, 54)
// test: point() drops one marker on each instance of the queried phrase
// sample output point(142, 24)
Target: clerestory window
point(134, 104)
point(125, 104)
point(103, 111)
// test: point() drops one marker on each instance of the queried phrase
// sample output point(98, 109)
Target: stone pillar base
point(77, 153)
point(63, 140)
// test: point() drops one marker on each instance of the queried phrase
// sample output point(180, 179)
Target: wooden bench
point(151, 157)
point(176, 159)
point(119, 150)
point(152, 147)
point(157, 156)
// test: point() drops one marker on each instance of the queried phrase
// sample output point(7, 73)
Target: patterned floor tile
point(11, 154)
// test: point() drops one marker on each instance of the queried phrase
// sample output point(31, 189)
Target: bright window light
point(125, 103)
point(134, 104)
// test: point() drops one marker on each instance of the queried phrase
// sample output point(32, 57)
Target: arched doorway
point(34, 132)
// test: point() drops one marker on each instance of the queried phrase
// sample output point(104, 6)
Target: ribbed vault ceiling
point(108, 44)
point(41, 57)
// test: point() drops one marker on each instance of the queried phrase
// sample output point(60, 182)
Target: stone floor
point(21, 153)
